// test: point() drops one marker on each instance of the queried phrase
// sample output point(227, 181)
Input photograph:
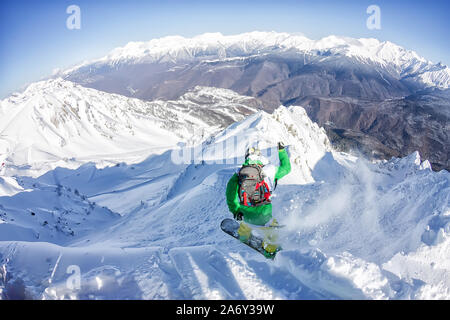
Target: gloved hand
point(281, 145)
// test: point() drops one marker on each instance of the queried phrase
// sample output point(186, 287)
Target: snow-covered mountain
point(58, 122)
point(383, 93)
point(387, 56)
point(150, 230)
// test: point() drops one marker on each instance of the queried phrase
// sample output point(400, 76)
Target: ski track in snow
point(150, 230)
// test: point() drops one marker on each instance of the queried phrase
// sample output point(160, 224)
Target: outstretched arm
point(285, 164)
point(232, 194)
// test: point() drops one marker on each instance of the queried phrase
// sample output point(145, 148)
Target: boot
point(244, 232)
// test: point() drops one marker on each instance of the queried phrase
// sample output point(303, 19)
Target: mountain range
point(370, 94)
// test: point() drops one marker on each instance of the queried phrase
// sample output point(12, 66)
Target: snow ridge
point(61, 122)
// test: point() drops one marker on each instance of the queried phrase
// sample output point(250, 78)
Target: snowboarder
point(248, 193)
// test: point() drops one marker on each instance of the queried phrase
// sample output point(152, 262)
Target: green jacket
point(259, 215)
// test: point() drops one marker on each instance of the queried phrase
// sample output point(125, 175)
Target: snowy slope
point(355, 230)
point(384, 55)
point(59, 123)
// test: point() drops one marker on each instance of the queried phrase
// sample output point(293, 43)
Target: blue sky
point(34, 39)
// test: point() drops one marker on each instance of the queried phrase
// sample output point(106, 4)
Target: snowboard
point(231, 226)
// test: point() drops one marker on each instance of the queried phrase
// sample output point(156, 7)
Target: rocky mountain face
point(391, 99)
point(392, 127)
